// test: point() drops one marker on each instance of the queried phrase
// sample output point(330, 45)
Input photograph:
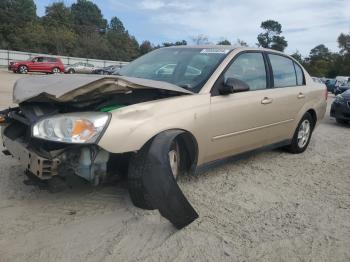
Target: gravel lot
point(271, 206)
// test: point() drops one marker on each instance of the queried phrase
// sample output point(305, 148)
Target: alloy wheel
point(174, 160)
point(23, 69)
point(304, 133)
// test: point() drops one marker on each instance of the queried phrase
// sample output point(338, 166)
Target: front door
point(38, 64)
point(243, 121)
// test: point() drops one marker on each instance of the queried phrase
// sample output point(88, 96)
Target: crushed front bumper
point(43, 168)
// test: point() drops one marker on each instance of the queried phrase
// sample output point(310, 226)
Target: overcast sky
point(305, 23)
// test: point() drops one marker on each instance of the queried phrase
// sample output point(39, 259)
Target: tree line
point(81, 30)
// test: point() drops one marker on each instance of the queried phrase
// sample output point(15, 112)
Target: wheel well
point(313, 115)
point(189, 146)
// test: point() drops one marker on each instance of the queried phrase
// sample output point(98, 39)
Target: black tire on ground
point(22, 69)
point(137, 165)
point(294, 146)
point(341, 121)
point(71, 71)
point(152, 184)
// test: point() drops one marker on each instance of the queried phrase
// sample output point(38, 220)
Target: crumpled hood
point(64, 88)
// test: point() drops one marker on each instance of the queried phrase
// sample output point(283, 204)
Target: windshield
point(189, 68)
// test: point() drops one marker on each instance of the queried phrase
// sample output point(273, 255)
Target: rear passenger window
point(283, 71)
point(300, 75)
point(249, 68)
point(51, 59)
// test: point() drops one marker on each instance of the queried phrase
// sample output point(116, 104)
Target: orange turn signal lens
point(2, 119)
point(83, 129)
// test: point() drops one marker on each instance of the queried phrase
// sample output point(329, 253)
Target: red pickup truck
point(38, 64)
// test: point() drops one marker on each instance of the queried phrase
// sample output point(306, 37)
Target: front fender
point(131, 127)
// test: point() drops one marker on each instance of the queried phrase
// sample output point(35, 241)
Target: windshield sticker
point(214, 51)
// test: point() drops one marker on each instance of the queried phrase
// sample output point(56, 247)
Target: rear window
point(300, 75)
point(283, 71)
point(51, 59)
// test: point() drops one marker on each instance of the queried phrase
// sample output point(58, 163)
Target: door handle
point(266, 100)
point(301, 95)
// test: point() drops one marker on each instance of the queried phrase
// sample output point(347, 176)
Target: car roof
point(229, 47)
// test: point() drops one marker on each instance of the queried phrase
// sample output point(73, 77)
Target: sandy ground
point(271, 206)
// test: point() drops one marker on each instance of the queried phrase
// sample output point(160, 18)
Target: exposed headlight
point(72, 128)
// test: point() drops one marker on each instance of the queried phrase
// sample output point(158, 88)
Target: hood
point(346, 95)
point(64, 88)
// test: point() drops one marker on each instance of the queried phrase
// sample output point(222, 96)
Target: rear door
point(289, 93)
point(51, 63)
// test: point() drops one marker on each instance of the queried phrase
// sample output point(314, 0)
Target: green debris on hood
point(110, 108)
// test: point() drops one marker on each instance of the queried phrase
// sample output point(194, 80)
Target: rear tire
point(302, 135)
point(71, 71)
point(56, 70)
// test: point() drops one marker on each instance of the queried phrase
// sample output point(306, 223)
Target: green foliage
point(344, 43)
point(87, 16)
point(297, 56)
point(145, 47)
point(224, 42)
point(15, 15)
point(81, 30)
point(271, 37)
point(177, 43)
point(323, 63)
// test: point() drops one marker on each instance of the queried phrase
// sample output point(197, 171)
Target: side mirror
point(233, 85)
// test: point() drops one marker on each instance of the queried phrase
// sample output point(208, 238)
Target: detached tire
point(152, 183)
point(137, 166)
point(302, 135)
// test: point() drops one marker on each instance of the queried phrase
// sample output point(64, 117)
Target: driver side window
point(249, 68)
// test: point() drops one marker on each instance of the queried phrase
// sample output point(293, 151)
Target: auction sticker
point(214, 51)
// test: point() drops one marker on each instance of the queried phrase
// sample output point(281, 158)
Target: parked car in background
point(340, 109)
point(331, 84)
point(164, 114)
point(108, 70)
point(81, 68)
point(43, 64)
point(343, 79)
point(341, 88)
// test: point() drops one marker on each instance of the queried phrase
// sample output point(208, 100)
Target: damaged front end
point(54, 133)
point(46, 159)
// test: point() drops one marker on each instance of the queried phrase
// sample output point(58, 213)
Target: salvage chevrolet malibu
point(160, 117)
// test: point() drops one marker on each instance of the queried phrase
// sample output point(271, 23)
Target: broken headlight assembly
point(77, 128)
